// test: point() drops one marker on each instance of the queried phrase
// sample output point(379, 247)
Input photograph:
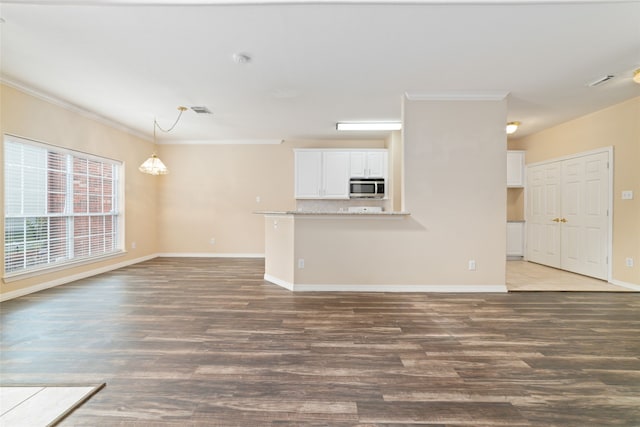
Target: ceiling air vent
point(601, 80)
point(201, 110)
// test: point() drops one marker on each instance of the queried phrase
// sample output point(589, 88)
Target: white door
point(584, 222)
point(543, 219)
point(567, 214)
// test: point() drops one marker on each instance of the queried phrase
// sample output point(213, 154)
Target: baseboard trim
point(279, 282)
point(207, 255)
point(386, 288)
point(68, 279)
point(625, 285)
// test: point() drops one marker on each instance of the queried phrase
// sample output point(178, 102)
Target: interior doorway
point(568, 213)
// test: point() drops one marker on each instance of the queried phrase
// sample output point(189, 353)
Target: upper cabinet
point(515, 168)
point(321, 174)
point(325, 173)
point(368, 164)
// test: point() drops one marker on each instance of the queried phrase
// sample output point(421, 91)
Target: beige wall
point(617, 126)
point(454, 190)
point(210, 192)
point(515, 204)
point(30, 117)
point(396, 157)
point(454, 186)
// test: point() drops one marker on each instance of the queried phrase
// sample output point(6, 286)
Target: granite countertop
point(345, 213)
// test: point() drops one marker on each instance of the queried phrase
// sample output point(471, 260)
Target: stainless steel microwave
point(366, 188)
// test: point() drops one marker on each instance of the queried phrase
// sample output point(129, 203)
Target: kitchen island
point(318, 250)
point(352, 251)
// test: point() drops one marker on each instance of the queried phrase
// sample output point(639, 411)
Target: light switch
point(627, 195)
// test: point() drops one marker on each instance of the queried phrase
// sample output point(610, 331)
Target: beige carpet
point(35, 405)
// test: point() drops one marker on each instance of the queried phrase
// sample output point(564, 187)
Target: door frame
point(609, 151)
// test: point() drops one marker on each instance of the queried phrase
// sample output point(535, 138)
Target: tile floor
point(528, 276)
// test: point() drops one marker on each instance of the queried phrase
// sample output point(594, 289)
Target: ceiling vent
point(201, 110)
point(601, 80)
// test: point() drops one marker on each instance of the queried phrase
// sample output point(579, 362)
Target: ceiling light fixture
point(153, 165)
point(368, 126)
point(636, 76)
point(512, 127)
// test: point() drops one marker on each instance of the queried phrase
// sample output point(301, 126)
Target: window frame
point(116, 214)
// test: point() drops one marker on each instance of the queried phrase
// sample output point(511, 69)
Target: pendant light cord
point(156, 124)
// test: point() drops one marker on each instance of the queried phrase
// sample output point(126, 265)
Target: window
point(60, 206)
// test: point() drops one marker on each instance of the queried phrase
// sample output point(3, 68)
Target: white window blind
point(61, 206)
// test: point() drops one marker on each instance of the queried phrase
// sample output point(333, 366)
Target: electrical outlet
point(627, 195)
point(301, 263)
point(628, 262)
point(258, 199)
point(472, 265)
point(133, 245)
point(212, 241)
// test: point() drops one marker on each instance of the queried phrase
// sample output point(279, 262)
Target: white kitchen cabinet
point(321, 174)
point(515, 239)
point(335, 175)
point(368, 164)
point(515, 168)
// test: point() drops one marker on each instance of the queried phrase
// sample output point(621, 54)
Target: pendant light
point(153, 165)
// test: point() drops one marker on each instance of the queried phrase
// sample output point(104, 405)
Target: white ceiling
point(316, 63)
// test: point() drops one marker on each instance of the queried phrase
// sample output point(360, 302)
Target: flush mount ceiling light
point(367, 126)
point(512, 127)
point(636, 76)
point(153, 165)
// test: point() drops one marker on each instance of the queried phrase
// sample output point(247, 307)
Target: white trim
point(456, 96)
point(206, 255)
point(574, 156)
point(385, 287)
point(223, 142)
point(279, 282)
point(63, 280)
point(297, 2)
point(625, 284)
point(22, 87)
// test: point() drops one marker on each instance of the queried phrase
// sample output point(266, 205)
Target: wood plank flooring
point(206, 342)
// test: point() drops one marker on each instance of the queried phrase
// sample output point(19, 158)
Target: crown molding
point(223, 142)
point(59, 102)
point(456, 96)
point(302, 2)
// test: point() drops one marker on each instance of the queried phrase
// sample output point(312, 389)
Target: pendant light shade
point(153, 166)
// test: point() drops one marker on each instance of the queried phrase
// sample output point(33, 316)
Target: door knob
point(563, 220)
point(556, 220)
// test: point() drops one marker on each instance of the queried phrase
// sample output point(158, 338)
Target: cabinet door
point(515, 239)
point(515, 168)
point(308, 174)
point(335, 175)
point(377, 164)
point(358, 165)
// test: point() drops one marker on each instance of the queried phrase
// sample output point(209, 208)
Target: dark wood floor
point(207, 342)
